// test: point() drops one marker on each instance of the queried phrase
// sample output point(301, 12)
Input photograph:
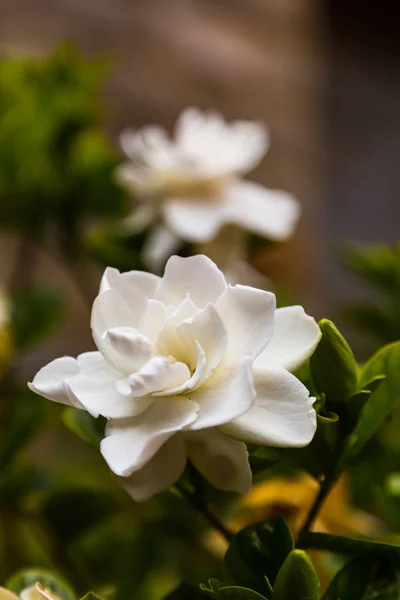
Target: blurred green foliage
point(377, 316)
point(56, 164)
point(69, 524)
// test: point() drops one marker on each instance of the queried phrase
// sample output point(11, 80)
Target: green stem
point(319, 500)
point(331, 476)
point(344, 545)
point(199, 505)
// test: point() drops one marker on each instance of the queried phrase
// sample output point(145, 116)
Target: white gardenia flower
point(198, 175)
point(188, 367)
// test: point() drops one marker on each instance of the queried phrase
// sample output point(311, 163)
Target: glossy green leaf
point(365, 578)
point(257, 552)
point(49, 580)
point(297, 579)
point(333, 366)
point(89, 429)
point(384, 399)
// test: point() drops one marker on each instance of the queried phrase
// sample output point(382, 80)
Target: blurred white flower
point(35, 592)
point(197, 177)
point(242, 272)
point(186, 367)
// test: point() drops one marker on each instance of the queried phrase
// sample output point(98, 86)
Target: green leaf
point(333, 366)
point(218, 589)
point(239, 593)
point(89, 429)
point(297, 579)
point(257, 552)
point(49, 580)
point(35, 314)
point(350, 411)
point(365, 578)
point(384, 399)
point(91, 596)
point(346, 545)
point(186, 592)
point(214, 585)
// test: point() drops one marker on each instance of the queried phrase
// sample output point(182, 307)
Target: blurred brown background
point(323, 75)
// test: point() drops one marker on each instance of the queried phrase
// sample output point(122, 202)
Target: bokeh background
point(324, 76)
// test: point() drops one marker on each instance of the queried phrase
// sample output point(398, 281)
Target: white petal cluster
point(188, 367)
point(198, 175)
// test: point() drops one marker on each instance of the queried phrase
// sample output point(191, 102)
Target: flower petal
point(282, 414)
point(96, 389)
point(126, 349)
point(295, 337)
point(131, 283)
point(109, 276)
point(207, 328)
point(51, 381)
point(121, 299)
point(226, 395)
point(140, 145)
point(217, 147)
point(222, 460)
point(160, 244)
point(197, 276)
point(110, 310)
point(194, 219)
point(153, 319)
point(270, 213)
point(102, 397)
point(131, 443)
point(160, 473)
point(158, 375)
point(248, 315)
point(169, 342)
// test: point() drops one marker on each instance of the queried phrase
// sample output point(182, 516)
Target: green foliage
point(378, 266)
point(256, 554)
point(24, 416)
point(50, 580)
point(365, 578)
point(186, 592)
point(384, 399)
point(297, 579)
point(35, 314)
point(333, 366)
point(91, 596)
point(89, 429)
point(111, 246)
point(56, 164)
point(72, 511)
